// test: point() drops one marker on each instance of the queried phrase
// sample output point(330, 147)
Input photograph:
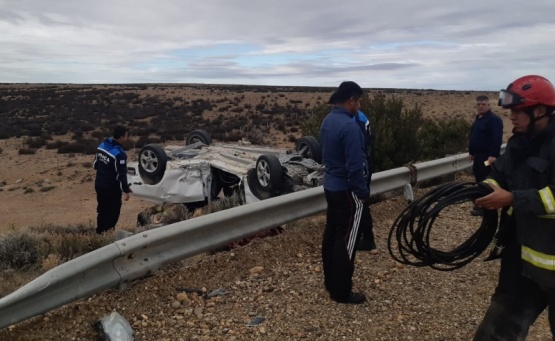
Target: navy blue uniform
point(485, 140)
point(110, 164)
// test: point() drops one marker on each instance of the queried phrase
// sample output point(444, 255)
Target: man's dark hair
point(119, 131)
point(482, 98)
point(345, 91)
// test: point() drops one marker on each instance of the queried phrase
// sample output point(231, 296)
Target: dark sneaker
point(366, 245)
point(352, 298)
point(477, 211)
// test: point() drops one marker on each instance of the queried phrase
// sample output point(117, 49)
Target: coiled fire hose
point(409, 239)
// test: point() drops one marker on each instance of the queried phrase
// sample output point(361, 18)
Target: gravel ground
point(281, 279)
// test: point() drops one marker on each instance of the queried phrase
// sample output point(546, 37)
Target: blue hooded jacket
point(343, 151)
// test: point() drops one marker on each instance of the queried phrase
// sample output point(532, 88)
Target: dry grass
point(27, 253)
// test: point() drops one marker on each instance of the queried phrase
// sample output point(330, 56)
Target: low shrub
point(19, 250)
point(26, 151)
point(47, 188)
point(401, 134)
point(84, 146)
point(442, 138)
point(36, 142)
point(56, 144)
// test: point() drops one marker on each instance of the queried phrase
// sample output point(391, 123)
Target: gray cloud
point(403, 44)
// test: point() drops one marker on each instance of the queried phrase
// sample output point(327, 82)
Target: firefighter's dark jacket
point(110, 163)
point(527, 169)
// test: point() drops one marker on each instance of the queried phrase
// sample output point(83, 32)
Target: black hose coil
point(411, 230)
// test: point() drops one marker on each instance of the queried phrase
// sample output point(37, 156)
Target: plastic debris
point(115, 327)
point(218, 292)
point(122, 234)
point(256, 321)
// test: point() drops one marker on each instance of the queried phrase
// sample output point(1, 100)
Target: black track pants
point(108, 209)
point(345, 214)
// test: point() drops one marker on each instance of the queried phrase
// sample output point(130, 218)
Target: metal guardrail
point(142, 254)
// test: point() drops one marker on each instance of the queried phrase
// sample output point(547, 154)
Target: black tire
point(152, 163)
point(309, 147)
point(269, 172)
point(199, 135)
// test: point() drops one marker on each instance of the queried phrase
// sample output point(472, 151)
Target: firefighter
point(523, 183)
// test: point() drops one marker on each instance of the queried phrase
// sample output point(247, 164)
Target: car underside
point(202, 171)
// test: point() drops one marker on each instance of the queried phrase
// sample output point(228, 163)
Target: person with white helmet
point(523, 184)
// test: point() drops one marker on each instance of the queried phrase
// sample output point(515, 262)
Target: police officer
point(523, 183)
point(110, 164)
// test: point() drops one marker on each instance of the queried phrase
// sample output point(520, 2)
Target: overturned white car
point(201, 171)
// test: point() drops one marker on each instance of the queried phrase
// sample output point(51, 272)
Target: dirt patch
point(50, 188)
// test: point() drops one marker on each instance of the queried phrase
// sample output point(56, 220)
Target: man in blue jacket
point(110, 164)
point(485, 141)
point(346, 189)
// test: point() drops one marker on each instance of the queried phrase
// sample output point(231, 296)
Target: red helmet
point(528, 91)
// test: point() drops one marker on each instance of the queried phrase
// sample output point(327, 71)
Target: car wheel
point(199, 135)
point(269, 172)
point(309, 147)
point(152, 163)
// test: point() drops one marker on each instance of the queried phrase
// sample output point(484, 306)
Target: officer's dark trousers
point(516, 303)
point(108, 209)
point(367, 225)
point(480, 170)
point(345, 214)
point(367, 228)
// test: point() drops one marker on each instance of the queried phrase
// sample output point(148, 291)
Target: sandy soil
point(71, 200)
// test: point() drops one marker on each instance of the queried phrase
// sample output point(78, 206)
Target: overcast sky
point(419, 44)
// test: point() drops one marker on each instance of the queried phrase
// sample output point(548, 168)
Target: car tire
point(199, 135)
point(269, 173)
point(152, 163)
point(309, 147)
